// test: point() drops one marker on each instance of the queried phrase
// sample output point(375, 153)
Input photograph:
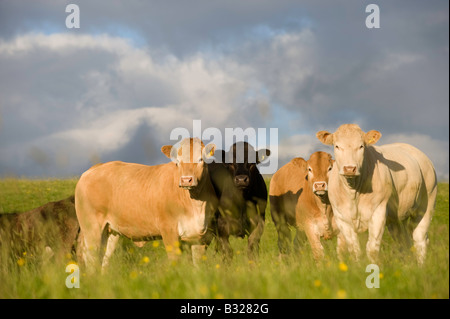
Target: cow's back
point(54, 225)
point(131, 198)
point(412, 176)
point(426, 166)
point(285, 188)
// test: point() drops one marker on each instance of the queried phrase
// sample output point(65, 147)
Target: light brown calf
point(299, 197)
point(172, 201)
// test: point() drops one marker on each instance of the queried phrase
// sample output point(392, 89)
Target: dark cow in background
point(242, 197)
point(44, 231)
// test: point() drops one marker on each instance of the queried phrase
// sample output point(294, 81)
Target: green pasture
point(146, 273)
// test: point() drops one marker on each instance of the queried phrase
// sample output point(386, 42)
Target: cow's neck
point(352, 184)
point(200, 192)
point(322, 201)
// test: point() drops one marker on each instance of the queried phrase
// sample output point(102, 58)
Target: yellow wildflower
point(21, 261)
point(343, 267)
point(341, 294)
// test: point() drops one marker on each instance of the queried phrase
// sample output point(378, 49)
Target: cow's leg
point(314, 240)
point(171, 243)
point(341, 248)
point(198, 251)
point(350, 237)
point(376, 230)
point(254, 239)
point(111, 244)
point(399, 232)
point(299, 240)
point(420, 232)
point(281, 225)
point(223, 235)
point(223, 243)
point(256, 215)
point(284, 233)
point(91, 247)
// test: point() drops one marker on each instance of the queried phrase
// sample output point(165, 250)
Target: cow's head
point(241, 161)
point(319, 166)
point(349, 143)
point(190, 156)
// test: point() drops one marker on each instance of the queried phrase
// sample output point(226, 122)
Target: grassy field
point(146, 273)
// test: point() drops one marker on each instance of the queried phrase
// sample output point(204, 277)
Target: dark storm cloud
point(77, 96)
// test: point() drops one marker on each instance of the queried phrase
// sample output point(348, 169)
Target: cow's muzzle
point(187, 182)
point(242, 181)
point(350, 171)
point(320, 188)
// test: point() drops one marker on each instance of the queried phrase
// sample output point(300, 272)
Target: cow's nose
point(241, 180)
point(350, 170)
point(186, 181)
point(320, 186)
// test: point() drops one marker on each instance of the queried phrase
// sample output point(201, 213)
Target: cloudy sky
point(116, 87)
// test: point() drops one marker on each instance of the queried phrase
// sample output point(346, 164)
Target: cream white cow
point(373, 186)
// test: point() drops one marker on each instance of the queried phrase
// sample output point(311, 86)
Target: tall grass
point(146, 273)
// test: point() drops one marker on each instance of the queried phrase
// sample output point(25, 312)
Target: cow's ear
point(166, 149)
point(170, 152)
point(262, 155)
point(208, 151)
point(372, 137)
point(325, 137)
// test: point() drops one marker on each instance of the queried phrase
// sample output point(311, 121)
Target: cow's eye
point(200, 160)
point(310, 169)
point(361, 147)
point(336, 147)
point(330, 168)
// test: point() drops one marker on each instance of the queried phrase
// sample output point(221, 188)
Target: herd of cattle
point(195, 198)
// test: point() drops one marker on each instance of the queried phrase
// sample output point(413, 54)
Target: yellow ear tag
point(211, 152)
point(371, 140)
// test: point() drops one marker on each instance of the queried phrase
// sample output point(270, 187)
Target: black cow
point(242, 197)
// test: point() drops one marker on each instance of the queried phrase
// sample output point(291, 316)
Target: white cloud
point(74, 95)
point(121, 89)
point(300, 145)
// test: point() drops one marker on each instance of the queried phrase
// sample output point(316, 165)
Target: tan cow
point(298, 197)
point(373, 186)
point(172, 201)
